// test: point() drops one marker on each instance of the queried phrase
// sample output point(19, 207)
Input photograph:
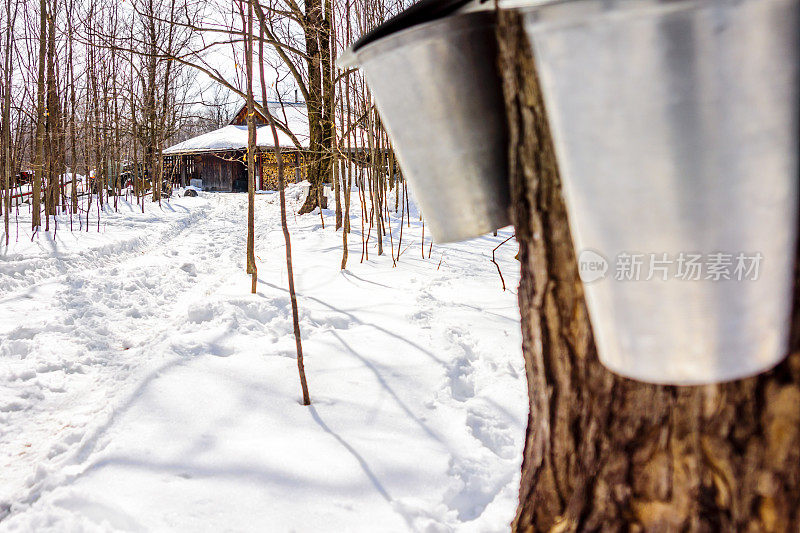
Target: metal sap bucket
point(439, 94)
point(676, 130)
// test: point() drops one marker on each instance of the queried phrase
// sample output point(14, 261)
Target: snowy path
point(142, 388)
point(71, 341)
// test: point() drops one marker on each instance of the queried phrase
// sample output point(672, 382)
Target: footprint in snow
point(461, 372)
point(15, 348)
point(476, 485)
point(492, 432)
point(201, 312)
point(22, 332)
point(461, 378)
point(189, 268)
point(13, 406)
point(423, 317)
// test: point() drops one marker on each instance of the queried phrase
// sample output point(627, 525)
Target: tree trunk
point(319, 140)
point(607, 453)
point(38, 167)
point(161, 134)
point(329, 107)
point(73, 150)
point(52, 121)
point(251, 152)
point(8, 162)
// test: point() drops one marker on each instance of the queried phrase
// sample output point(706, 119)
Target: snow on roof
point(293, 115)
point(233, 138)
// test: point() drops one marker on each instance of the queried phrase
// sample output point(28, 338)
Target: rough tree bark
point(38, 166)
point(607, 453)
point(329, 104)
point(161, 133)
point(313, 24)
point(6, 129)
point(251, 151)
point(51, 127)
point(72, 138)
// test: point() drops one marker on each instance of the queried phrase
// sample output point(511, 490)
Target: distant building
point(218, 157)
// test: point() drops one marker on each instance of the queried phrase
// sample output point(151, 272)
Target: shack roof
point(293, 116)
point(232, 138)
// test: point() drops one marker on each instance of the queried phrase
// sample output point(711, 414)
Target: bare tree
point(72, 119)
point(5, 134)
point(41, 112)
point(251, 149)
point(285, 226)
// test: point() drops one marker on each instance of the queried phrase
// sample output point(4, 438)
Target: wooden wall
point(220, 174)
point(226, 172)
point(241, 118)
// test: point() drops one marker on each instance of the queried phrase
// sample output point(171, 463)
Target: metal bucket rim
point(438, 28)
point(574, 12)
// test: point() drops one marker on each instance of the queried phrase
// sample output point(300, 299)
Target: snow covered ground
point(142, 388)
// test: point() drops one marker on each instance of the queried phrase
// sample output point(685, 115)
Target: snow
point(293, 116)
point(143, 388)
point(232, 137)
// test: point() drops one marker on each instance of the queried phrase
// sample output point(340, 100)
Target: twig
point(495, 262)
point(404, 249)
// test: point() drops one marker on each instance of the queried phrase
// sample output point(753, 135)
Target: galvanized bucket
point(676, 130)
point(438, 92)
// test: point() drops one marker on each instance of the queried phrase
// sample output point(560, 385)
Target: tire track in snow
point(18, 271)
point(106, 331)
point(472, 460)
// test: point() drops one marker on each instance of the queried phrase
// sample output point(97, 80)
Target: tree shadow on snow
point(359, 321)
point(362, 463)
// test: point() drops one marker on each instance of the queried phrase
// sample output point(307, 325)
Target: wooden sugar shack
point(218, 158)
